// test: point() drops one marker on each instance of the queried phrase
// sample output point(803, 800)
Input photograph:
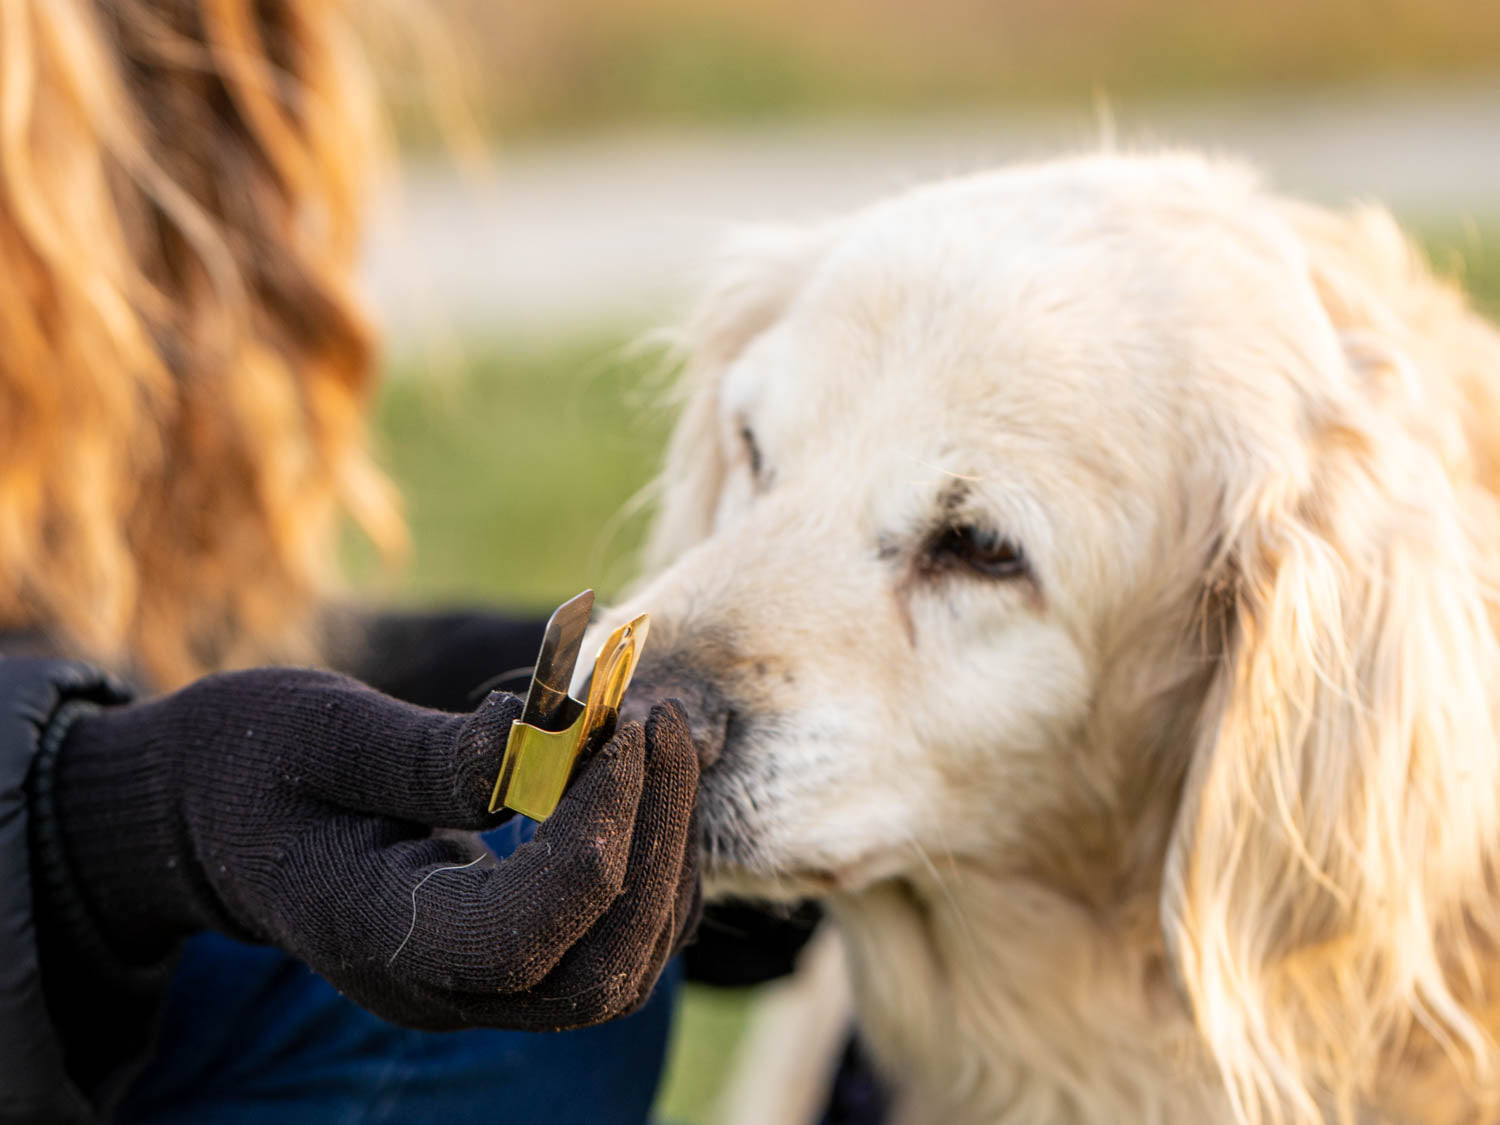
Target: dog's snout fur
point(676, 676)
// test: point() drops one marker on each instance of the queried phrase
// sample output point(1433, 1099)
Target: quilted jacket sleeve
point(38, 1084)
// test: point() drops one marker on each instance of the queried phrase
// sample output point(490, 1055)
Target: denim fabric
point(249, 1035)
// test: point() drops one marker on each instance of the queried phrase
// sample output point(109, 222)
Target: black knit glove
point(295, 808)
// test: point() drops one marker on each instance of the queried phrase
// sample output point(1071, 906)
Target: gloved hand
point(295, 807)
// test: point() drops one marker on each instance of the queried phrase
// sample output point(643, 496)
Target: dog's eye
point(752, 451)
point(982, 551)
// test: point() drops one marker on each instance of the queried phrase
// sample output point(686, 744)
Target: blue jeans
point(251, 1036)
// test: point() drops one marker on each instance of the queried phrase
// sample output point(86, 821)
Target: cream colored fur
point(1194, 821)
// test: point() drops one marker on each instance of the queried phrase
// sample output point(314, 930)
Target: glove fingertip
point(668, 713)
point(609, 783)
point(496, 714)
point(628, 740)
point(669, 741)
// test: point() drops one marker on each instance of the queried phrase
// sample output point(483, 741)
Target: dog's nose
point(707, 710)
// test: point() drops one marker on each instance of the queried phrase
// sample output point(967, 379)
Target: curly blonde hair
point(184, 366)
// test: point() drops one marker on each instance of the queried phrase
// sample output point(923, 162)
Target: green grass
point(516, 473)
point(1470, 253)
point(709, 1027)
point(583, 64)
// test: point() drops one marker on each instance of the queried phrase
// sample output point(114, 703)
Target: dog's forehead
point(1053, 262)
point(902, 334)
point(1063, 299)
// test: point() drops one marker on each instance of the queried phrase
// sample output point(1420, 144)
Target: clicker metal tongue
point(555, 729)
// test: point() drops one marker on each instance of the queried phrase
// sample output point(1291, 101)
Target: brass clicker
point(555, 729)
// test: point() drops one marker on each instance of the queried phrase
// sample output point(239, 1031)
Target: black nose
point(657, 681)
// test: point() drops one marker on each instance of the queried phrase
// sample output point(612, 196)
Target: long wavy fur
point(1330, 894)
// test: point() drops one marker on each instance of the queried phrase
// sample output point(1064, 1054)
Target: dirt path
point(617, 229)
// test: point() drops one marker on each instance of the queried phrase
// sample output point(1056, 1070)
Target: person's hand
point(296, 808)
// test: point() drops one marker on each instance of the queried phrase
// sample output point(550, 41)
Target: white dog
point(1082, 577)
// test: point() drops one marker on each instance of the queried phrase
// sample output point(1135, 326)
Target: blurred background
point(586, 156)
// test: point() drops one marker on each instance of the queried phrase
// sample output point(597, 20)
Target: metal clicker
point(555, 729)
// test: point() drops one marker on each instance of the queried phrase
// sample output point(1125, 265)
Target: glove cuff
point(54, 874)
point(115, 802)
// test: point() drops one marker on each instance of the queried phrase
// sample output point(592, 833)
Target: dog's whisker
point(952, 474)
point(486, 686)
point(944, 886)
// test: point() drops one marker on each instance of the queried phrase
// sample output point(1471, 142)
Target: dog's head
point(1102, 526)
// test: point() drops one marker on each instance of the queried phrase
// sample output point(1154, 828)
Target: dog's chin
point(726, 880)
point(750, 846)
point(739, 864)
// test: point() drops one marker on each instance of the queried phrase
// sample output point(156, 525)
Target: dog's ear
point(759, 274)
point(1329, 898)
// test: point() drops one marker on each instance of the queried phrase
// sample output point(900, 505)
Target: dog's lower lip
point(778, 883)
point(734, 864)
point(710, 743)
point(816, 877)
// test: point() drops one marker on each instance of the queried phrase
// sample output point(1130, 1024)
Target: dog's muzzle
point(667, 677)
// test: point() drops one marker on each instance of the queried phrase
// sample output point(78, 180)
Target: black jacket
point(35, 1082)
